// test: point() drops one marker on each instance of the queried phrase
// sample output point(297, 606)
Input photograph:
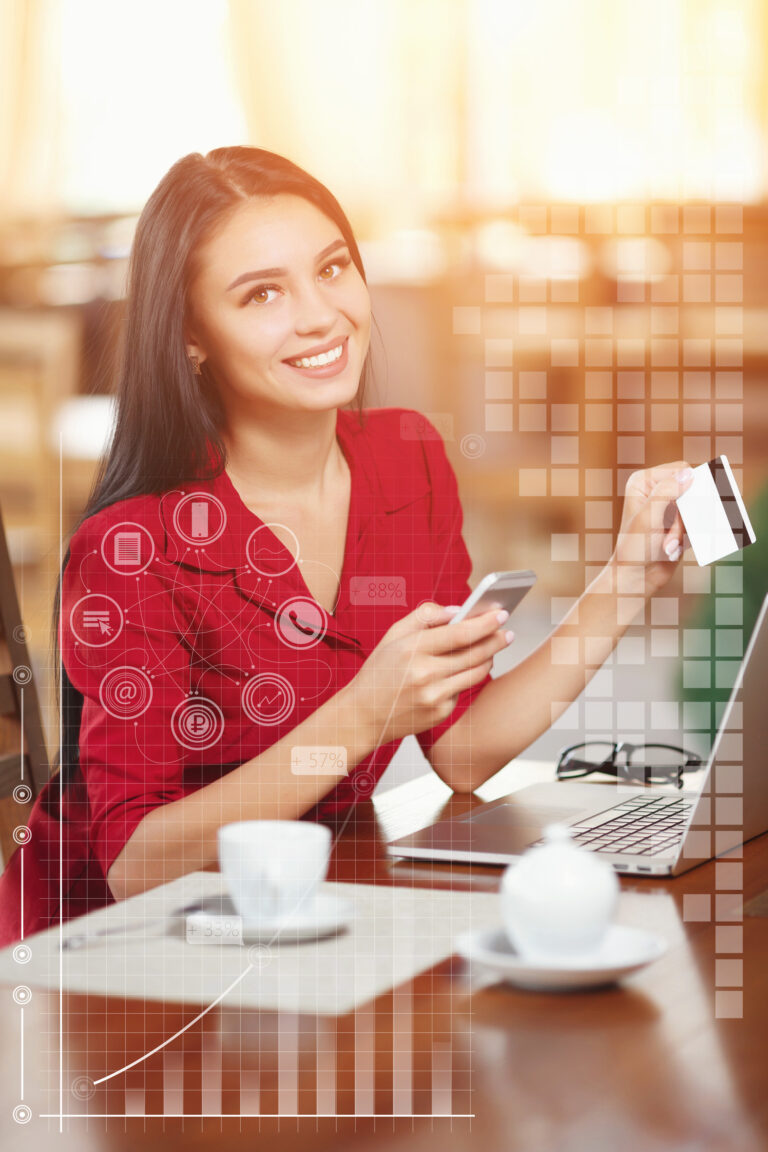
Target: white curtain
point(404, 108)
point(30, 108)
point(99, 97)
point(367, 96)
point(412, 105)
point(618, 99)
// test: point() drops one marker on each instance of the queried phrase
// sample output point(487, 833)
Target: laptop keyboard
point(641, 826)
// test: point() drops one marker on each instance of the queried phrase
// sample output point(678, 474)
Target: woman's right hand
point(412, 679)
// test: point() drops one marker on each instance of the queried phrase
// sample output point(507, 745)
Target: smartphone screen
point(505, 589)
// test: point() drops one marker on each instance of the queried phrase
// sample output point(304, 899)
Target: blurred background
point(563, 212)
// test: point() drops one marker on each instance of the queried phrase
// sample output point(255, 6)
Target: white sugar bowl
point(558, 900)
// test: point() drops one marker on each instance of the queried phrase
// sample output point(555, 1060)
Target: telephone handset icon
point(294, 619)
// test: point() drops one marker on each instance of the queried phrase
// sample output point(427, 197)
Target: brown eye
point(258, 293)
point(341, 263)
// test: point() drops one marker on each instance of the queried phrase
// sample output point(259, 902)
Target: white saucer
point(622, 950)
point(325, 916)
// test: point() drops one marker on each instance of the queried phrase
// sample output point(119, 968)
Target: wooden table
point(655, 1063)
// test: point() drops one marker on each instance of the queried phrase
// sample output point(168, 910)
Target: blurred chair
point(79, 434)
point(39, 367)
point(45, 425)
point(24, 765)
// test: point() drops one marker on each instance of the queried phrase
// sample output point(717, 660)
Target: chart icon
point(272, 550)
point(268, 698)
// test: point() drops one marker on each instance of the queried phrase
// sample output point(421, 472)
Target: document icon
point(127, 548)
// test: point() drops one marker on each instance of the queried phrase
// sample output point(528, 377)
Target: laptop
point(640, 830)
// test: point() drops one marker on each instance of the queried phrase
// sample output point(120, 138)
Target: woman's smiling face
point(275, 283)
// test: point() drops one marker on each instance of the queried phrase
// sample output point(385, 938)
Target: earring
point(195, 362)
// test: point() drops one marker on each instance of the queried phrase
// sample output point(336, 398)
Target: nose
point(315, 312)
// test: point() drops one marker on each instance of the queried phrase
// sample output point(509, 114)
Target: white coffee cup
point(558, 900)
point(273, 867)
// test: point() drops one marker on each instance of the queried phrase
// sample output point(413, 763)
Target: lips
point(318, 350)
point(324, 370)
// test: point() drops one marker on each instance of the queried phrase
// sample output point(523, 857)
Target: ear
point(192, 338)
point(194, 349)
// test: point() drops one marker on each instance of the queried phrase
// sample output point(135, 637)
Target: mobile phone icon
point(199, 519)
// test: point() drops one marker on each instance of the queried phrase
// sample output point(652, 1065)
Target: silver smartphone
point(506, 589)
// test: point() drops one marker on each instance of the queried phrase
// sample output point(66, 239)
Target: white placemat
point(395, 933)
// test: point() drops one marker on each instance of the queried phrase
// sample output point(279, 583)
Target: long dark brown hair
point(169, 421)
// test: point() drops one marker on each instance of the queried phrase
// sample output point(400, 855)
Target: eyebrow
point(283, 271)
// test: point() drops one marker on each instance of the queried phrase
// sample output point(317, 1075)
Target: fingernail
point(502, 616)
point(451, 609)
point(509, 637)
point(671, 546)
point(684, 475)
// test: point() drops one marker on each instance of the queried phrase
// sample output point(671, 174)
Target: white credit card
point(713, 513)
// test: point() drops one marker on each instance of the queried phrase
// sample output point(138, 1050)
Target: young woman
point(266, 572)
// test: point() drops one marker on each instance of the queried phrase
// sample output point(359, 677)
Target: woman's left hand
point(650, 540)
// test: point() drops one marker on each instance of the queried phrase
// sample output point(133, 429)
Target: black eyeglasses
point(633, 763)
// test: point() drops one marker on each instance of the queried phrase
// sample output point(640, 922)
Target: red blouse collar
point(215, 536)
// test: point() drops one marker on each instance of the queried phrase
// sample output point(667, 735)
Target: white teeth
point(318, 361)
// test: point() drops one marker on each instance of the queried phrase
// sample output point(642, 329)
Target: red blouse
point(196, 644)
